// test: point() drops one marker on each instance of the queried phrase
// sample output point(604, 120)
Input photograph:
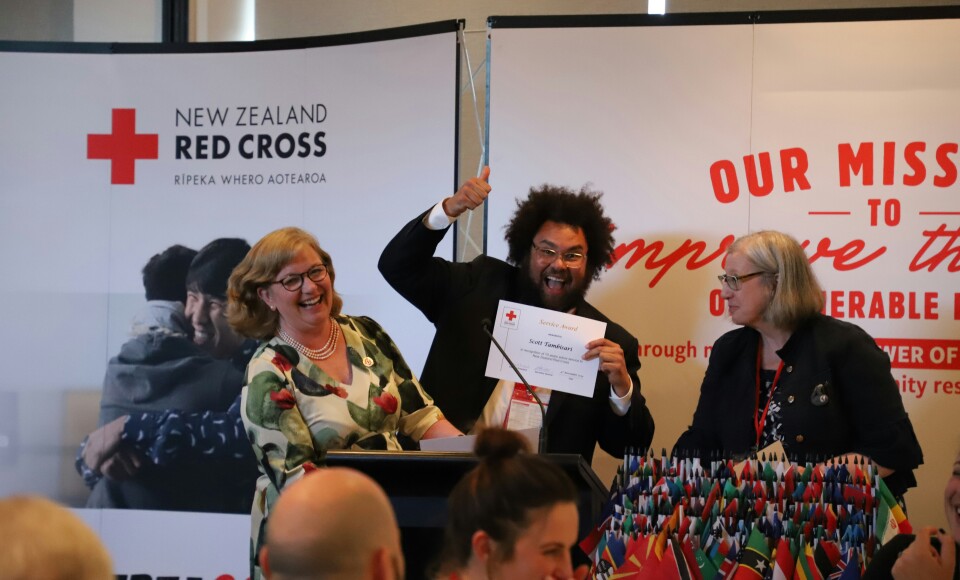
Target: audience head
point(206, 295)
point(256, 277)
point(333, 523)
point(561, 240)
point(165, 275)
point(783, 293)
point(513, 516)
point(42, 539)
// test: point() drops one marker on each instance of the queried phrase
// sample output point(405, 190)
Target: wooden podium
point(419, 482)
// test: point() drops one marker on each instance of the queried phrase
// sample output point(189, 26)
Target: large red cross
point(123, 147)
point(511, 315)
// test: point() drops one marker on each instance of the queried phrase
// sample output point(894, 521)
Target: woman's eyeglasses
point(736, 282)
point(294, 282)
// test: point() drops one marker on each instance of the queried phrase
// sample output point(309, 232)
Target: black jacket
point(456, 297)
point(862, 412)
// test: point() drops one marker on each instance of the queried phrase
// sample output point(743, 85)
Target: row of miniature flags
point(706, 511)
point(670, 557)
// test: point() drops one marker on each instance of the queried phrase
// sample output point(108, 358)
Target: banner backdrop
point(112, 153)
point(840, 130)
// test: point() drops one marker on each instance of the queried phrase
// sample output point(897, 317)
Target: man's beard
point(532, 290)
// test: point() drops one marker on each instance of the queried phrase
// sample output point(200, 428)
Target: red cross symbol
point(511, 315)
point(123, 147)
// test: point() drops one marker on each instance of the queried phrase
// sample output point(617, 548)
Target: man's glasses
point(736, 282)
point(549, 255)
point(294, 282)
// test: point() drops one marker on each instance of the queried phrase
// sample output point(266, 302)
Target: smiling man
point(559, 241)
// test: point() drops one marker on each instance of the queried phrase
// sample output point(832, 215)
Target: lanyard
point(760, 420)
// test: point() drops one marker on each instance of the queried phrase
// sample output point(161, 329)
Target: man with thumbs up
point(559, 241)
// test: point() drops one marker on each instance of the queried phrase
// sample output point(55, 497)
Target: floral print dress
point(293, 411)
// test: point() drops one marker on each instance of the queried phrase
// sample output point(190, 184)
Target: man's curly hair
point(580, 209)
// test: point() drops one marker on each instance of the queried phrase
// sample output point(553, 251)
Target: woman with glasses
point(819, 386)
point(321, 379)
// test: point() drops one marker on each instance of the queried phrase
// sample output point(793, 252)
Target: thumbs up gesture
point(471, 194)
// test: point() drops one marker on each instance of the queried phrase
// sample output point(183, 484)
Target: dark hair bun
point(495, 445)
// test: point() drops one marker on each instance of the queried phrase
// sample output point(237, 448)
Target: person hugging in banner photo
point(321, 379)
point(559, 242)
point(819, 386)
point(182, 361)
point(512, 516)
point(931, 554)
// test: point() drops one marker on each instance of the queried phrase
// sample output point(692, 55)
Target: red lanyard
point(760, 421)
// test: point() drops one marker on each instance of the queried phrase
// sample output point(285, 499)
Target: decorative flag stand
point(763, 518)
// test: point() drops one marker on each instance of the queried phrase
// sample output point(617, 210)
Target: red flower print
point(338, 391)
point(387, 402)
point(281, 362)
point(284, 399)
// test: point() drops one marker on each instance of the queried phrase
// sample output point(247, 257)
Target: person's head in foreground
point(514, 516)
point(42, 539)
point(768, 282)
point(333, 523)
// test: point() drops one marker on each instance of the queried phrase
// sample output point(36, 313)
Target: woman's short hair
point(499, 496)
point(246, 312)
point(796, 292)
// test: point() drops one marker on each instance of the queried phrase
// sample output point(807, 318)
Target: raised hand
point(471, 194)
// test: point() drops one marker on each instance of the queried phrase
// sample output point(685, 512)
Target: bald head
point(333, 523)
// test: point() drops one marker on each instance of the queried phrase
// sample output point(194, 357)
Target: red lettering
point(793, 165)
point(721, 171)
point(757, 188)
point(836, 303)
point(652, 251)
point(876, 306)
point(758, 172)
point(857, 301)
point(882, 305)
point(716, 303)
point(843, 256)
point(949, 176)
point(896, 305)
point(861, 161)
point(913, 160)
point(950, 240)
point(889, 161)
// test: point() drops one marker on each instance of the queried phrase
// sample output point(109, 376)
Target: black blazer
point(456, 297)
point(862, 411)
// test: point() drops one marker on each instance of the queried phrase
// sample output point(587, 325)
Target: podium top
point(422, 473)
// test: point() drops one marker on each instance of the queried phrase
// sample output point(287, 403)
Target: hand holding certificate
point(548, 347)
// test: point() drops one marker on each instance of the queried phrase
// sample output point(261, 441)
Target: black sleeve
point(407, 263)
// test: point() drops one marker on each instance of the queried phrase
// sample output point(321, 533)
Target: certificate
point(547, 346)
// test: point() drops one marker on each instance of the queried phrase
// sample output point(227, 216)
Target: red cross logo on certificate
point(123, 146)
point(510, 318)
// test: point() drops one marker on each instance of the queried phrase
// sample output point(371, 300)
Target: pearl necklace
point(322, 353)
